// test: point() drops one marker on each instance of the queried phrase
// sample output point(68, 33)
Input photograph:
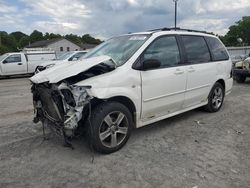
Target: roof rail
point(180, 29)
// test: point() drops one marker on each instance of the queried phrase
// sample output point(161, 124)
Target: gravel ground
point(195, 149)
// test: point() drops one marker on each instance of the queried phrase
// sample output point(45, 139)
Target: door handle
point(191, 69)
point(19, 63)
point(178, 71)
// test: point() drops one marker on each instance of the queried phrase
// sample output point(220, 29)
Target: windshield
point(65, 56)
point(120, 49)
point(2, 57)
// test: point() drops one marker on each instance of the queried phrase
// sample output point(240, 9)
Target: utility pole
point(175, 13)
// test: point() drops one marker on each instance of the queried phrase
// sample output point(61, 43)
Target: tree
point(36, 36)
point(90, 40)
point(8, 41)
point(3, 49)
point(48, 36)
point(18, 35)
point(74, 38)
point(24, 41)
point(240, 29)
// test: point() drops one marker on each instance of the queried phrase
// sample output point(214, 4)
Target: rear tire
point(215, 98)
point(240, 79)
point(110, 127)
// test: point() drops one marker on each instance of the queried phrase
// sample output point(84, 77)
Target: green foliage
point(7, 41)
point(24, 41)
point(74, 38)
point(49, 36)
point(36, 36)
point(241, 29)
point(17, 40)
point(18, 35)
point(90, 40)
point(3, 49)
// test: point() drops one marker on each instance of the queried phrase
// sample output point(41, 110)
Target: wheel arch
point(121, 99)
point(222, 82)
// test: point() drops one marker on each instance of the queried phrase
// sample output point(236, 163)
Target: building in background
point(239, 50)
point(60, 46)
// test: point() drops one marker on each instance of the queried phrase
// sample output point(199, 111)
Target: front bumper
point(242, 72)
point(59, 105)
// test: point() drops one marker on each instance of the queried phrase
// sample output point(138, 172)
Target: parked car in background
point(68, 56)
point(23, 62)
point(242, 70)
point(237, 58)
point(131, 81)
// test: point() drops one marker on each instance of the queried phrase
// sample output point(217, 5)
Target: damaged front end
point(60, 106)
point(60, 103)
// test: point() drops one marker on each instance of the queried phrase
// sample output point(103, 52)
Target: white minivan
point(130, 81)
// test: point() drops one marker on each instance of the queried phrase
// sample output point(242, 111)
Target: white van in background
point(23, 62)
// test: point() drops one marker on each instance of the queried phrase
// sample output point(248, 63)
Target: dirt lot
point(192, 149)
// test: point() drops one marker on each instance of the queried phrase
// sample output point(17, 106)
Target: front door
point(163, 88)
point(13, 65)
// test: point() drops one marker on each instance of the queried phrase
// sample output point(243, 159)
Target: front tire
point(110, 127)
point(215, 98)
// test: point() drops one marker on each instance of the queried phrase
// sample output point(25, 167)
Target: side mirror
point(74, 59)
point(5, 61)
point(151, 64)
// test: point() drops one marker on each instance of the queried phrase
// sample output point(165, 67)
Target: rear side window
point(196, 49)
point(218, 51)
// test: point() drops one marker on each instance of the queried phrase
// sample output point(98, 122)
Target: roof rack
point(180, 29)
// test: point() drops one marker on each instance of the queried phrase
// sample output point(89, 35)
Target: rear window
point(217, 49)
point(196, 49)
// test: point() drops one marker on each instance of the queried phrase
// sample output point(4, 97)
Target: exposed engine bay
point(61, 105)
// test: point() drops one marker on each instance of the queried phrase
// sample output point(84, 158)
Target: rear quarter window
point(217, 49)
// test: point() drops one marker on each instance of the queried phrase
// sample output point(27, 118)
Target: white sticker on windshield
point(138, 37)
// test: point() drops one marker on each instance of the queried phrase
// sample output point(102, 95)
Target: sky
point(106, 18)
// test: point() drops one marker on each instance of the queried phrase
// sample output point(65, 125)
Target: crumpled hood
point(51, 62)
point(67, 69)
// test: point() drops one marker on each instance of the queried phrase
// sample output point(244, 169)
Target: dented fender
point(117, 83)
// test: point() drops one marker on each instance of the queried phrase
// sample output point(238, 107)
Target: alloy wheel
point(217, 97)
point(113, 129)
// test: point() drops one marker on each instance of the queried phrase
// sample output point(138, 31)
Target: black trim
point(209, 50)
point(137, 65)
point(182, 50)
